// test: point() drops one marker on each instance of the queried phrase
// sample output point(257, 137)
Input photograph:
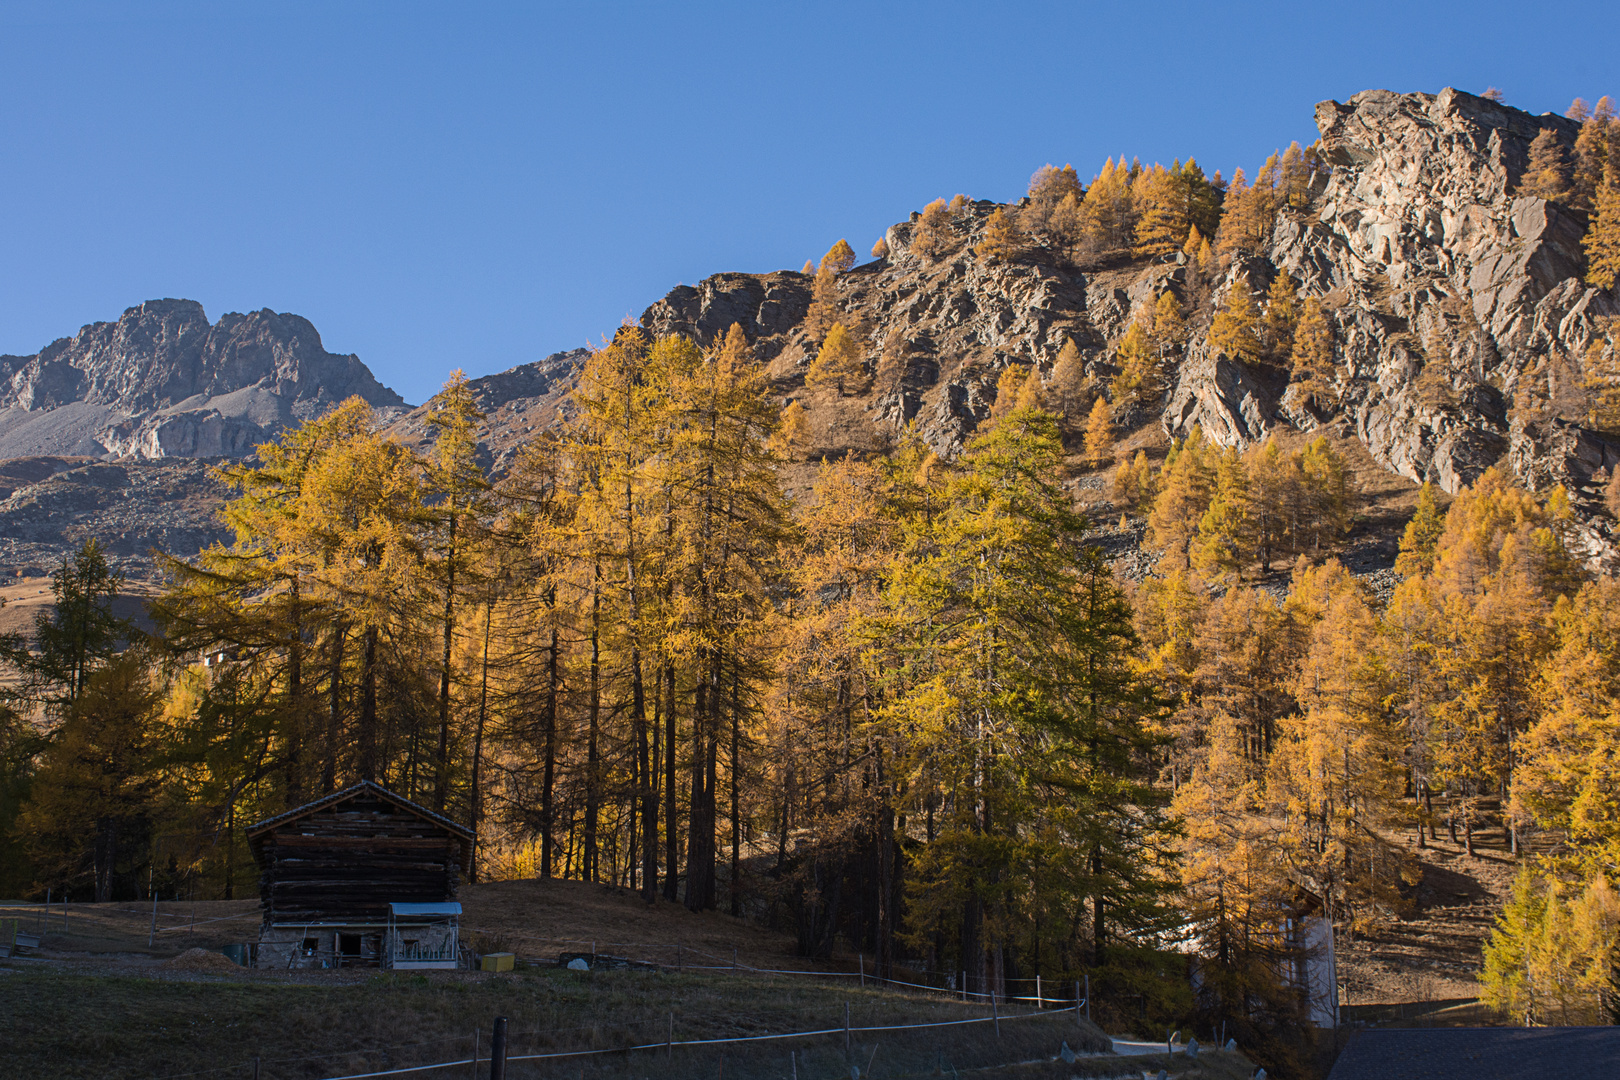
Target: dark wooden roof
point(350, 792)
point(1479, 1053)
point(258, 831)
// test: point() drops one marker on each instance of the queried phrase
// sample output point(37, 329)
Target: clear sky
point(477, 185)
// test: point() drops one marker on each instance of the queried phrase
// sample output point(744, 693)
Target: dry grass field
point(97, 1001)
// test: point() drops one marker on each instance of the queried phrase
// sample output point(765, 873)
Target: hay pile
point(203, 960)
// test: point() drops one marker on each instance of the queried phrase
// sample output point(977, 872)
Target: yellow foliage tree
point(1602, 240)
point(1001, 237)
point(1099, 433)
point(839, 363)
point(934, 236)
point(1235, 329)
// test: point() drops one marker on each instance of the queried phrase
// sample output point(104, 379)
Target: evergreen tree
point(1099, 433)
point(1602, 240)
point(1067, 389)
point(1420, 541)
point(76, 636)
point(795, 429)
point(1235, 330)
point(1249, 213)
point(1219, 552)
point(839, 362)
point(823, 311)
point(1311, 360)
point(1548, 174)
point(880, 250)
point(839, 258)
point(934, 235)
point(1294, 178)
point(1001, 237)
point(1282, 315)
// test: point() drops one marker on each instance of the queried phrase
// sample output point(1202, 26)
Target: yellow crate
point(496, 961)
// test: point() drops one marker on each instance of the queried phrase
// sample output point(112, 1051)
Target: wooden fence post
point(152, 935)
point(1088, 995)
point(846, 1031)
point(475, 1054)
point(862, 957)
point(669, 1043)
point(497, 1050)
point(995, 1011)
point(255, 1068)
point(1077, 1001)
point(1039, 1004)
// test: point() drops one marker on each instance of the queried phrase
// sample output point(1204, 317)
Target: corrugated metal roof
point(451, 908)
point(1479, 1053)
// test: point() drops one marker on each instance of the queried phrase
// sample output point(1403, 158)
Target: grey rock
point(161, 381)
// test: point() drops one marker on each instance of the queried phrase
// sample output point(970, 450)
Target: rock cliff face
point(1460, 313)
point(163, 382)
point(1461, 317)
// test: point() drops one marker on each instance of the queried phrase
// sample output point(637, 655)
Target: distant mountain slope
point(162, 381)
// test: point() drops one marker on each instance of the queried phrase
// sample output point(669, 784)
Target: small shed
point(360, 877)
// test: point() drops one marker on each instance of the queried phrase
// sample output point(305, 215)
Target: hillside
point(324, 1024)
point(1457, 305)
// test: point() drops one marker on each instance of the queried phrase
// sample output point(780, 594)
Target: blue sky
point(477, 185)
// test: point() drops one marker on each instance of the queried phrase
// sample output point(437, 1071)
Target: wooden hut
point(359, 877)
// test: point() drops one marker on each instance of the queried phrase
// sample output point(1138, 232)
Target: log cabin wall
point(346, 861)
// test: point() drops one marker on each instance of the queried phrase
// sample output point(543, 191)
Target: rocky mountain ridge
point(161, 381)
point(1461, 322)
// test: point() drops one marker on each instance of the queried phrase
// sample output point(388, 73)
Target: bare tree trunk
point(548, 779)
point(368, 706)
point(735, 889)
point(477, 799)
point(441, 763)
point(672, 836)
point(334, 717)
point(592, 755)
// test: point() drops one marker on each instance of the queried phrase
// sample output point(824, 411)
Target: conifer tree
point(1135, 482)
point(1311, 360)
point(1048, 189)
point(959, 203)
point(891, 365)
point(1172, 202)
point(934, 235)
point(1109, 212)
point(1236, 326)
point(76, 635)
point(1593, 148)
point(1602, 240)
point(1419, 543)
point(809, 268)
point(1547, 176)
point(1184, 488)
point(1001, 237)
point(880, 250)
point(1169, 327)
point(1099, 433)
point(1249, 212)
point(1282, 314)
point(1031, 394)
point(839, 257)
point(839, 362)
point(823, 312)
point(795, 429)
point(1219, 552)
point(1294, 178)
point(1067, 387)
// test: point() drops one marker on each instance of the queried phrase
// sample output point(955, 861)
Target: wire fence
point(669, 1045)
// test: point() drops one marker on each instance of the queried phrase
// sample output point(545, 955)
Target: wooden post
point(669, 1043)
point(862, 957)
point(794, 1055)
point(995, 1011)
point(733, 968)
point(497, 1050)
point(1077, 1001)
point(1039, 1004)
point(680, 963)
point(152, 936)
point(846, 1031)
point(255, 1068)
point(475, 1053)
point(964, 985)
point(1088, 995)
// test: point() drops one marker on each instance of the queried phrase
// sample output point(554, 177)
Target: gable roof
point(256, 830)
point(1479, 1053)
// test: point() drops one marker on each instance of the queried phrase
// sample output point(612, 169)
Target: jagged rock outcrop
point(517, 404)
point(1460, 312)
point(162, 381)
